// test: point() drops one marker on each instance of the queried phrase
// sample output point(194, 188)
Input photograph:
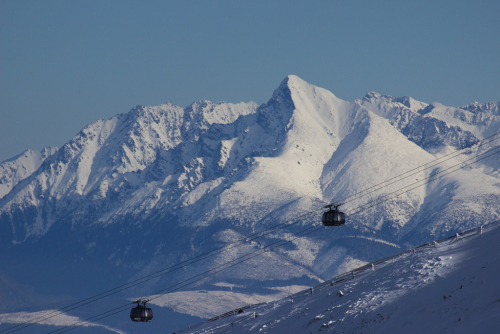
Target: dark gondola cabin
point(141, 313)
point(333, 217)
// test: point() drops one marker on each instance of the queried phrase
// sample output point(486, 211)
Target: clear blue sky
point(64, 64)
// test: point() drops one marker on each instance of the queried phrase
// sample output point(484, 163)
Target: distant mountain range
point(147, 189)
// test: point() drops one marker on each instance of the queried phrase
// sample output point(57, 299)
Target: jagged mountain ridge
point(216, 172)
point(106, 152)
point(18, 168)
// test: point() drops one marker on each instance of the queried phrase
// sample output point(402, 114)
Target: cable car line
point(235, 244)
point(457, 153)
point(429, 180)
point(80, 324)
point(185, 283)
point(363, 207)
point(246, 238)
point(311, 212)
point(55, 313)
point(264, 249)
point(162, 272)
point(337, 218)
point(311, 232)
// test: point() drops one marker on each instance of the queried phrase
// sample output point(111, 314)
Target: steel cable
point(246, 239)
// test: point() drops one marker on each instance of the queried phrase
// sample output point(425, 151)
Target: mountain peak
point(295, 95)
point(488, 107)
point(20, 167)
point(283, 89)
point(293, 83)
point(295, 80)
point(296, 84)
point(372, 95)
point(173, 182)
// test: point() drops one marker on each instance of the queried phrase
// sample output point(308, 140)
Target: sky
point(65, 64)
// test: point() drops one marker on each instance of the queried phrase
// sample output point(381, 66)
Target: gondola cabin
point(333, 217)
point(141, 313)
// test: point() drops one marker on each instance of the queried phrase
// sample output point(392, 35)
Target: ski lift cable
point(416, 169)
point(363, 208)
point(190, 281)
point(55, 313)
point(165, 271)
point(434, 177)
point(155, 295)
point(228, 246)
point(261, 251)
point(398, 180)
point(366, 208)
point(454, 155)
point(129, 285)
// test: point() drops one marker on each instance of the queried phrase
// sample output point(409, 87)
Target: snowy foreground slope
point(451, 287)
point(147, 189)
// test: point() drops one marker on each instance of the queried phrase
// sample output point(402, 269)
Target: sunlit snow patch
point(58, 320)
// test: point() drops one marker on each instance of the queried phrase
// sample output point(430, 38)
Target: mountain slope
point(449, 288)
point(18, 168)
point(145, 190)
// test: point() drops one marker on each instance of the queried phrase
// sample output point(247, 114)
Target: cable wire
point(188, 281)
point(251, 237)
point(162, 272)
point(261, 251)
point(453, 155)
point(428, 180)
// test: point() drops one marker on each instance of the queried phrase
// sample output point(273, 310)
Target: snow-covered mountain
point(18, 168)
point(147, 189)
